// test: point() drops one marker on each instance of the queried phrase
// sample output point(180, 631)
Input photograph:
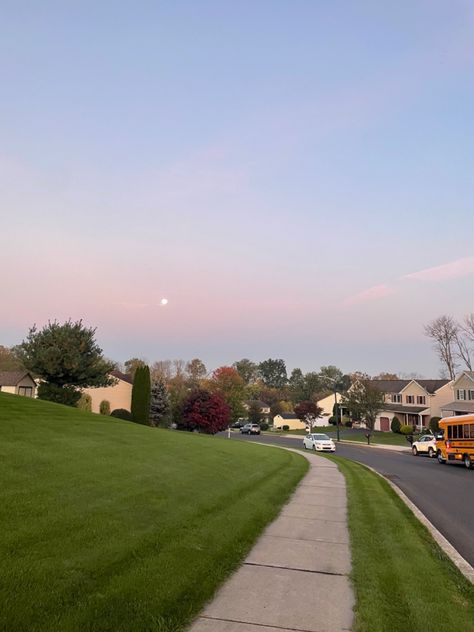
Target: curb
point(456, 558)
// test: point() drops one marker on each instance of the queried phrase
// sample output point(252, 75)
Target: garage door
point(385, 424)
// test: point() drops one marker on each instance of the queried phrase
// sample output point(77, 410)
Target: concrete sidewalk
point(296, 576)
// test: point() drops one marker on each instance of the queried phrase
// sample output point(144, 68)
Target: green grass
point(112, 526)
point(403, 581)
point(377, 437)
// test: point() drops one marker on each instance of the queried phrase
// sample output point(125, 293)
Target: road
point(444, 493)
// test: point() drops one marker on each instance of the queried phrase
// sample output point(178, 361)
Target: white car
point(425, 445)
point(319, 442)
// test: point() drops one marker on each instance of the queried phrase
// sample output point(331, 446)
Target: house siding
point(119, 395)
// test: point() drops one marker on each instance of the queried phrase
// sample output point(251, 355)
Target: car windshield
point(321, 437)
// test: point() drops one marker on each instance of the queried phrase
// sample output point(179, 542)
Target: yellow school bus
point(455, 440)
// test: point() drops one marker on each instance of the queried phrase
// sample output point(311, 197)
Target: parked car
point(250, 429)
point(319, 442)
point(238, 424)
point(424, 445)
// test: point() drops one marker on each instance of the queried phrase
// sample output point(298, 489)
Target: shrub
point(85, 403)
point(204, 412)
point(121, 413)
point(104, 407)
point(141, 393)
point(395, 425)
point(285, 427)
point(264, 426)
point(348, 423)
point(332, 420)
point(67, 395)
point(434, 424)
point(406, 429)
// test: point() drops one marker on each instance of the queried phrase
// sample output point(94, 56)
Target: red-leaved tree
point(204, 411)
point(308, 412)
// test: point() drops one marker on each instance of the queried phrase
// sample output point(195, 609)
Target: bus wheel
point(440, 458)
point(468, 461)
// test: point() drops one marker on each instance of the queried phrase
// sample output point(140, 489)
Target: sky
point(295, 177)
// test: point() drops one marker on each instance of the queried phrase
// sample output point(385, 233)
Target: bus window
point(472, 431)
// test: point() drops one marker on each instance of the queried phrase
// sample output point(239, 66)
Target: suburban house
point(413, 402)
point(327, 404)
point(463, 396)
point(17, 383)
point(119, 395)
point(288, 419)
point(264, 408)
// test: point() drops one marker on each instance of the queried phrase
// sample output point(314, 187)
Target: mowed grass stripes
point(108, 525)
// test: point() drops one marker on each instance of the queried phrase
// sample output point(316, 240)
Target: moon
point(164, 301)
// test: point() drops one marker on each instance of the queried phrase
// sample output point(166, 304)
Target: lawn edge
point(456, 558)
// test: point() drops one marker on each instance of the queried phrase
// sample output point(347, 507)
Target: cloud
point(372, 294)
point(452, 270)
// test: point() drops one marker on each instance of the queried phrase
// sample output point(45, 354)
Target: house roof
point(459, 407)
point(470, 374)
point(257, 402)
point(395, 386)
point(11, 378)
point(398, 408)
point(125, 377)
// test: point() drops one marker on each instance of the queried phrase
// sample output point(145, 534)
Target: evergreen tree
point(141, 392)
point(160, 403)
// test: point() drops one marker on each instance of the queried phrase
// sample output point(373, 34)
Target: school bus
point(455, 440)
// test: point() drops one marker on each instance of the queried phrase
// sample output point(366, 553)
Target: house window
point(396, 399)
point(421, 399)
point(471, 395)
point(461, 395)
point(26, 391)
point(410, 399)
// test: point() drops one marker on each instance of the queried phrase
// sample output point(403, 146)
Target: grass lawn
point(402, 579)
point(384, 438)
point(108, 525)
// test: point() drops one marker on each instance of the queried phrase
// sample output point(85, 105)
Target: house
point(288, 419)
point(413, 402)
point(463, 396)
point(327, 404)
point(119, 395)
point(264, 408)
point(17, 383)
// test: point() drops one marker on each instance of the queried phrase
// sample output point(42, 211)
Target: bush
point(434, 424)
point(348, 423)
point(85, 403)
point(406, 429)
point(395, 425)
point(141, 394)
point(264, 426)
point(67, 395)
point(204, 412)
point(285, 427)
point(121, 413)
point(104, 407)
point(332, 420)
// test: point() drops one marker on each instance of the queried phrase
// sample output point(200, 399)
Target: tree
point(132, 365)
point(159, 403)
point(330, 374)
point(296, 386)
point(247, 370)
point(273, 373)
point(308, 411)
point(161, 370)
point(67, 358)
point(364, 401)
point(229, 384)
point(443, 331)
point(9, 361)
point(386, 376)
point(205, 412)
point(196, 371)
point(254, 413)
point(141, 392)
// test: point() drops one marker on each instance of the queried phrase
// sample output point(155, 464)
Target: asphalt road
point(444, 493)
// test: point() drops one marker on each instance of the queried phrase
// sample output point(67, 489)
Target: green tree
point(364, 401)
point(247, 370)
point(254, 413)
point(159, 404)
point(296, 386)
point(273, 373)
point(67, 358)
point(141, 393)
point(228, 383)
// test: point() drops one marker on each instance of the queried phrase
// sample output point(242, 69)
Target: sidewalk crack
point(300, 570)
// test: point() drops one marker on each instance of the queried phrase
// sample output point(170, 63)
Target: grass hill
point(109, 525)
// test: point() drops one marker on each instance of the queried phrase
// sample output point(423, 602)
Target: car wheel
point(431, 453)
point(314, 447)
point(414, 451)
point(440, 458)
point(468, 461)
